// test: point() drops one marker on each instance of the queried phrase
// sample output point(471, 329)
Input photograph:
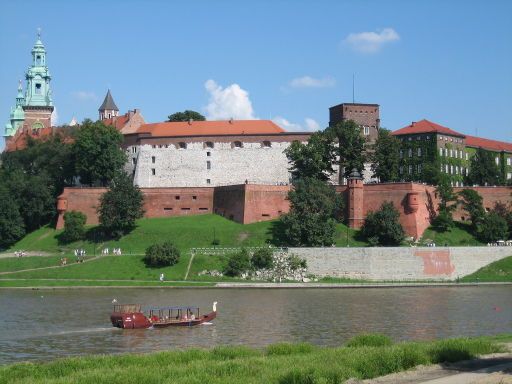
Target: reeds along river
point(43, 325)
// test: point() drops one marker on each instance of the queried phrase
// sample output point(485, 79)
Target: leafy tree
point(493, 228)
point(74, 226)
point(472, 203)
point(186, 116)
point(262, 258)
point(447, 198)
point(483, 170)
point(98, 154)
point(350, 149)
point(383, 227)
point(120, 206)
point(162, 255)
point(504, 211)
point(12, 227)
point(238, 263)
point(385, 158)
point(313, 159)
point(310, 221)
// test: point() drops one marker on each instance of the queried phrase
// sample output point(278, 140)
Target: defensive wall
point(249, 203)
point(399, 263)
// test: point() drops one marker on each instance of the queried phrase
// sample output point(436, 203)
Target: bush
point(369, 340)
point(262, 259)
point(238, 263)
point(74, 226)
point(493, 228)
point(383, 227)
point(296, 262)
point(443, 221)
point(162, 255)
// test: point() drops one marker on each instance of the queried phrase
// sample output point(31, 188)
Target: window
point(440, 137)
point(418, 168)
point(446, 168)
point(410, 169)
point(451, 169)
point(401, 153)
point(182, 145)
point(134, 149)
point(509, 176)
point(366, 130)
point(410, 152)
point(154, 146)
point(428, 137)
point(440, 151)
point(194, 197)
point(185, 209)
point(208, 181)
point(153, 159)
point(168, 209)
point(509, 160)
point(467, 156)
point(153, 171)
point(38, 89)
point(497, 160)
point(419, 151)
point(266, 144)
point(203, 209)
point(237, 144)
point(134, 161)
point(208, 165)
point(177, 197)
point(401, 169)
point(208, 144)
point(442, 168)
point(208, 154)
point(38, 60)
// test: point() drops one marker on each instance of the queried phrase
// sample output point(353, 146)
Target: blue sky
point(447, 61)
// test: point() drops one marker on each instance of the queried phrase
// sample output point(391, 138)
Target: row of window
point(456, 153)
point(450, 139)
point(454, 169)
point(208, 144)
point(410, 152)
point(410, 168)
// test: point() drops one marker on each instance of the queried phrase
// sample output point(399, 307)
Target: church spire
point(108, 108)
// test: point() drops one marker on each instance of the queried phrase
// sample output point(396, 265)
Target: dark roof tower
point(108, 108)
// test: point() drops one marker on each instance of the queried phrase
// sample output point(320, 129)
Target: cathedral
point(34, 107)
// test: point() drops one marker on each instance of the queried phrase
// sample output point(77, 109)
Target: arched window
point(237, 144)
point(38, 60)
point(182, 145)
point(266, 144)
point(208, 144)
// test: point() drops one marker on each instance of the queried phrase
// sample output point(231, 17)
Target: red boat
point(130, 316)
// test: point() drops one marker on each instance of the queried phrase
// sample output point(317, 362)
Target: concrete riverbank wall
point(400, 263)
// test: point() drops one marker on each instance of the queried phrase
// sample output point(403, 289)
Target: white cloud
point(54, 119)
point(229, 102)
point(84, 96)
point(311, 82)
point(310, 125)
point(371, 42)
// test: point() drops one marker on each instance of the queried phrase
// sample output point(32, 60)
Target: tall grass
point(280, 363)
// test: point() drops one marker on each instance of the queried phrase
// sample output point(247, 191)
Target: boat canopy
point(173, 308)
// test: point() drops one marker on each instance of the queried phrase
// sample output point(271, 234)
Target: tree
point(238, 263)
point(12, 227)
point(74, 226)
point(383, 226)
point(386, 158)
point(483, 170)
point(162, 255)
point(310, 221)
point(98, 154)
point(472, 203)
point(504, 211)
point(444, 219)
point(120, 206)
point(493, 228)
point(313, 159)
point(350, 149)
point(186, 116)
point(262, 258)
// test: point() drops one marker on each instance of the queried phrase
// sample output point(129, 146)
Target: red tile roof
point(493, 145)
point(426, 126)
point(211, 128)
point(117, 122)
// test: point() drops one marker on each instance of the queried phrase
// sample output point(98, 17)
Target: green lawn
point(500, 270)
point(27, 262)
point(459, 235)
point(97, 283)
point(279, 363)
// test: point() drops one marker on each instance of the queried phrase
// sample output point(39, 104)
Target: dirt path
point(189, 265)
point(28, 253)
point(50, 267)
point(489, 369)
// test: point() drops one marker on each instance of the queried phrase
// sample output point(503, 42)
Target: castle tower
point(38, 106)
point(108, 109)
point(17, 116)
point(355, 200)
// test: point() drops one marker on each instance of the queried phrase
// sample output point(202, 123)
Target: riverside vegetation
point(363, 357)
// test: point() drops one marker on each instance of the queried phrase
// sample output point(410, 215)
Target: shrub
point(369, 340)
point(74, 226)
point(493, 228)
point(443, 221)
point(262, 258)
point(162, 255)
point(383, 226)
point(238, 263)
point(296, 262)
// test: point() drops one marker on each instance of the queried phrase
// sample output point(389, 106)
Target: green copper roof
point(108, 103)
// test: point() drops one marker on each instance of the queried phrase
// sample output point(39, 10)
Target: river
point(39, 325)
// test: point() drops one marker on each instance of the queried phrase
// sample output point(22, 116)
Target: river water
point(44, 324)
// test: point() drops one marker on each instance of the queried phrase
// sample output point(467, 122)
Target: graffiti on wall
point(436, 262)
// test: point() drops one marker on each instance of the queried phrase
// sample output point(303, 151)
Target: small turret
point(108, 108)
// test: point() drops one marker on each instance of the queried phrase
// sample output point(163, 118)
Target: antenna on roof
point(353, 88)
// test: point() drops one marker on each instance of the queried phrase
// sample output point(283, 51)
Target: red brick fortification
point(490, 196)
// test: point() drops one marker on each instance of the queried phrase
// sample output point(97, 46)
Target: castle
point(238, 168)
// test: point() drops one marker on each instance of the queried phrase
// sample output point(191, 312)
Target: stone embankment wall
point(400, 263)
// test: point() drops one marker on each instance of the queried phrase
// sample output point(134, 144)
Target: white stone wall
point(174, 167)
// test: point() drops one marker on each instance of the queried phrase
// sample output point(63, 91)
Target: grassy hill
point(458, 235)
point(500, 270)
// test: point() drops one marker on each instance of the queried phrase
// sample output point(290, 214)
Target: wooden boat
point(130, 316)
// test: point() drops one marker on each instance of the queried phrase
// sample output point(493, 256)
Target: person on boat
point(192, 317)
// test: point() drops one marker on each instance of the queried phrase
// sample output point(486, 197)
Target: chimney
point(412, 124)
point(190, 121)
point(131, 113)
point(231, 121)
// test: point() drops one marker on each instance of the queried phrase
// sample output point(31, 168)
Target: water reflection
point(42, 325)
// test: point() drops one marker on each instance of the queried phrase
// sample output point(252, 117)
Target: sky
point(289, 61)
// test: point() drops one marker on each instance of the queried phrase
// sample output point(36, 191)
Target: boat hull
point(186, 323)
point(130, 320)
